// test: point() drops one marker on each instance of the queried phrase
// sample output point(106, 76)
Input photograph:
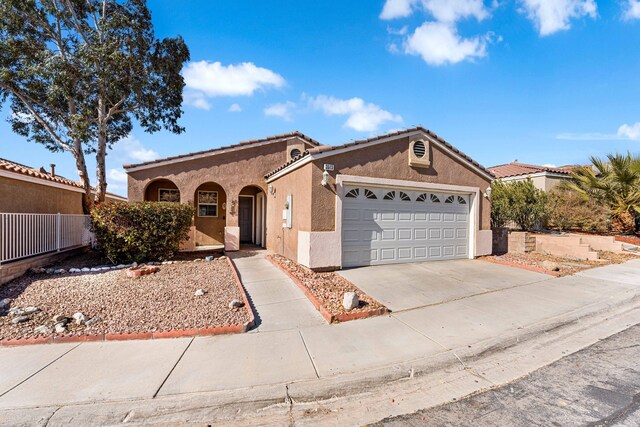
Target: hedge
point(141, 232)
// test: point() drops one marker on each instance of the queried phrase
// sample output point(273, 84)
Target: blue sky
point(541, 81)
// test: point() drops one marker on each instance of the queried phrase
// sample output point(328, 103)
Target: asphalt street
point(597, 386)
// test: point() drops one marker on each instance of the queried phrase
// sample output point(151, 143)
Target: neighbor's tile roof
point(10, 166)
point(517, 169)
point(227, 147)
point(325, 148)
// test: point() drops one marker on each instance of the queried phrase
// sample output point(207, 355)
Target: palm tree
point(614, 182)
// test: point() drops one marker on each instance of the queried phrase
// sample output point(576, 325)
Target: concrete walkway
point(302, 352)
point(277, 302)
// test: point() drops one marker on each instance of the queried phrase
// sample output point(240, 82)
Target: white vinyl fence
point(26, 235)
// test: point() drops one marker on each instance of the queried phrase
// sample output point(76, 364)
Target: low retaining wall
point(521, 242)
point(568, 246)
point(15, 269)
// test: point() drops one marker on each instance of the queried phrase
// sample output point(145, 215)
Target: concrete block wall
point(521, 242)
point(569, 246)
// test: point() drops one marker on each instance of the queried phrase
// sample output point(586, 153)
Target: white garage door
point(386, 225)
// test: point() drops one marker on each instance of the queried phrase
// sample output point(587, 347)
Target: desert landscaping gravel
point(566, 266)
point(164, 300)
point(328, 288)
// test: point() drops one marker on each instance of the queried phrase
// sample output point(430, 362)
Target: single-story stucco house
point(400, 197)
point(24, 189)
point(543, 177)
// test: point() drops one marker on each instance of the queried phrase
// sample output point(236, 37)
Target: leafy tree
point(78, 72)
point(519, 202)
point(615, 183)
point(500, 208)
point(570, 210)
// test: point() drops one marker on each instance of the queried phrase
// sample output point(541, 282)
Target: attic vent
point(419, 149)
point(295, 153)
point(419, 154)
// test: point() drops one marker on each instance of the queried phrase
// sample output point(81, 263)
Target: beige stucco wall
point(232, 171)
point(390, 160)
point(541, 182)
point(285, 240)
point(26, 197)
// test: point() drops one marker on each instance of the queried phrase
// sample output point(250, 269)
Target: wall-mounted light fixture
point(271, 190)
point(325, 178)
point(487, 192)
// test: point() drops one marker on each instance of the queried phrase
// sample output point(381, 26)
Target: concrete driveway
point(408, 286)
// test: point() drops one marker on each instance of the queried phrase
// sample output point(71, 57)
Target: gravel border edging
point(522, 266)
point(330, 318)
point(173, 333)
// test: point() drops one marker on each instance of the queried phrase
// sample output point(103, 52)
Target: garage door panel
point(410, 226)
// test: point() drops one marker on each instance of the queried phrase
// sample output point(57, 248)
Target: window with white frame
point(207, 203)
point(171, 195)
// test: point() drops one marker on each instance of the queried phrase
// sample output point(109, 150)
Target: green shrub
point(141, 232)
point(570, 210)
point(518, 202)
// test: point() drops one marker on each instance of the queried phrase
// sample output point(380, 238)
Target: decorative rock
point(134, 265)
point(105, 268)
point(30, 310)
point(50, 270)
point(92, 321)
point(350, 300)
point(74, 270)
point(16, 311)
point(60, 318)
point(551, 266)
point(94, 269)
point(223, 257)
point(209, 258)
point(200, 292)
point(60, 328)
point(60, 271)
point(79, 318)
point(86, 270)
point(43, 330)
point(20, 319)
point(236, 304)
point(4, 303)
point(119, 266)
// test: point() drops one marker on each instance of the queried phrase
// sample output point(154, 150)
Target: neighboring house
point(543, 177)
point(27, 190)
point(401, 197)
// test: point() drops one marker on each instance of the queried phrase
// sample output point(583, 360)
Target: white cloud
point(361, 116)
point(551, 16)
point(441, 10)
point(394, 9)
point(118, 175)
point(632, 10)
point(625, 132)
point(205, 79)
point(629, 131)
point(550, 165)
point(439, 43)
point(131, 149)
point(235, 108)
point(398, 31)
point(284, 110)
point(196, 99)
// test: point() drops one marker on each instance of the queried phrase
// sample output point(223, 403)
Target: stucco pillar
point(187, 197)
point(232, 230)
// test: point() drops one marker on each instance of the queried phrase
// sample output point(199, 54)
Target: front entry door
point(245, 219)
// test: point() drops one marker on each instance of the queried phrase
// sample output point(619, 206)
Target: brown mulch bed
point(157, 302)
point(632, 240)
point(567, 266)
point(328, 288)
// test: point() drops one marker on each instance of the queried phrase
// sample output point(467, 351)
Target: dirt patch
point(632, 240)
point(161, 301)
point(328, 288)
point(567, 266)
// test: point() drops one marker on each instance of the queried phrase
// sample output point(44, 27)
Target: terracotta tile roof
point(517, 169)
point(326, 148)
point(10, 166)
point(227, 147)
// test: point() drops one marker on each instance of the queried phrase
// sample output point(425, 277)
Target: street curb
point(330, 318)
point(151, 335)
